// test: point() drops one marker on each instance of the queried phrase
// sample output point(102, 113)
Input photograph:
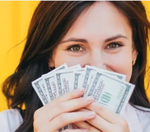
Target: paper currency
point(78, 78)
point(50, 84)
point(89, 76)
point(39, 88)
point(90, 72)
point(65, 81)
point(112, 74)
point(108, 88)
point(111, 93)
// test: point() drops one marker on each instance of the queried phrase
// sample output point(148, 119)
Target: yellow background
point(14, 21)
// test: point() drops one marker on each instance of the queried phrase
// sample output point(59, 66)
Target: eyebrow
point(85, 41)
point(115, 37)
point(75, 40)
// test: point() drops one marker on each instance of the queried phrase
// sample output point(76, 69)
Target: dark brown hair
point(50, 22)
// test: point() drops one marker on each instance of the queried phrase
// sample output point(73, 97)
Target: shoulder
point(144, 117)
point(138, 118)
point(10, 120)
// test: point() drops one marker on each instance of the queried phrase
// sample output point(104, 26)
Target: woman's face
point(101, 37)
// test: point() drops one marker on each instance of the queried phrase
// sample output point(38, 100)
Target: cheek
point(122, 64)
point(62, 57)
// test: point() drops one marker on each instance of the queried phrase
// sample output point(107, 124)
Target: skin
point(101, 37)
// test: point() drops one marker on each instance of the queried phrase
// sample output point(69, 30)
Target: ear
point(134, 55)
point(51, 63)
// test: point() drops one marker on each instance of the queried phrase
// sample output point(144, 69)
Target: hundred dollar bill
point(51, 87)
point(111, 93)
point(40, 90)
point(64, 81)
point(50, 84)
point(90, 72)
point(49, 81)
point(88, 77)
point(112, 74)
point(78, 76)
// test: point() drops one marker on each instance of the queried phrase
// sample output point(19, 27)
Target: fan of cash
point(108, 89)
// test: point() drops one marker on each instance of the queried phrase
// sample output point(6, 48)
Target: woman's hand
point(58, 113)
point(105, 121)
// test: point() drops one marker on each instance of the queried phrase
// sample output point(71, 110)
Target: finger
point(76, 130)
point(84, 110)
point(69, 96)
point(45, 128)
point(67, 106)
point(105, 113)
point(68, 118)
point(99, 122)
point(84, 125)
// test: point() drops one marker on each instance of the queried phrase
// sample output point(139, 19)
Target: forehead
point(101, 20)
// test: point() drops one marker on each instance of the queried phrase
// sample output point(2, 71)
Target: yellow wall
point(14, 22)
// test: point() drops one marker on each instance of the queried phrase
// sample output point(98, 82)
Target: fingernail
point(91, 114)
point(89, 99)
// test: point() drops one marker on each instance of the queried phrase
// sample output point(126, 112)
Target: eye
point(113, 46)
point(75, 48)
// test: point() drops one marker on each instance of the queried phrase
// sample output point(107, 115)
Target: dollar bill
point(50, 84)
point(88, 77)
point(97, 83)
point(64, 81)
point(112, 74)
point(111, 93)
point(78, 78)
point(51, 87)
point(90, 72)
point(40, 90)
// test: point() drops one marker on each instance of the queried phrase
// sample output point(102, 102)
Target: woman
point(108, 35)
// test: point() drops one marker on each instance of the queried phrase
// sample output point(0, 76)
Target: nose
point(96, 58)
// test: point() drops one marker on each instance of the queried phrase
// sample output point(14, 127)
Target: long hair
point(50, 22)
